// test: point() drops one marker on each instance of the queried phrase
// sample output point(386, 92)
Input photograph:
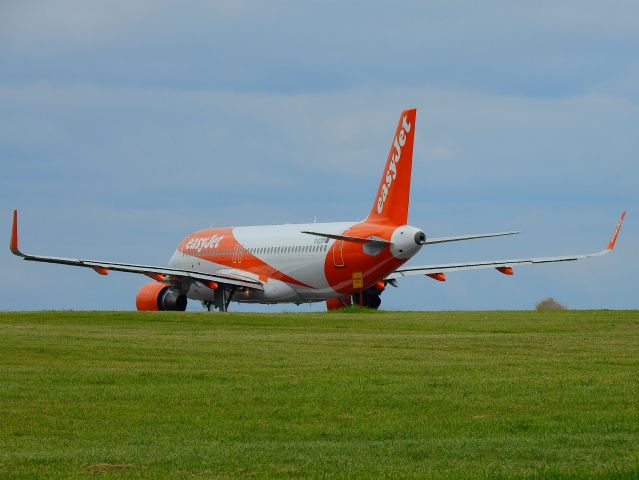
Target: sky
point(125, 125)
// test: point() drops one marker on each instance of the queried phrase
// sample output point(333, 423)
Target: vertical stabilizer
point(391, 202)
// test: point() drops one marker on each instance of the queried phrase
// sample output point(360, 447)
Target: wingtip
point(14, 234)
point(613, 239)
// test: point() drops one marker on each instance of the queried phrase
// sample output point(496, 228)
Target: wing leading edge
point(504, 266)
point(157, 273)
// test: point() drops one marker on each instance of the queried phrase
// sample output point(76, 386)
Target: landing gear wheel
point(374, 302)
point(368, 298)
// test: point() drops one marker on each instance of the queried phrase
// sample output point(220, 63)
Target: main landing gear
point(369, 298)
point(221, 299)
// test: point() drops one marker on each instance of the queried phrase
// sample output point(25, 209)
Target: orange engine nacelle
point(337, 303)
point(156, 296)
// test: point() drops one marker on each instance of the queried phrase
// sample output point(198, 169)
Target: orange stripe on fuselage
point(218, 245)
point(373, 268)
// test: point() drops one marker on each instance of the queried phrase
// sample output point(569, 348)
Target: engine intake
point(156, 296)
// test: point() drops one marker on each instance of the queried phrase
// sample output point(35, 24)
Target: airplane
point(340, 263)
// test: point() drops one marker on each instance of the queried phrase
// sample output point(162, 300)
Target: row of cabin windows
point(289, 249)
point(274, 250)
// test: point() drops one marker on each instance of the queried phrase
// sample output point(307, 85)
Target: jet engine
point(156, 296)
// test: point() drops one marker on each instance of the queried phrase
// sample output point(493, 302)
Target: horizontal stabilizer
point(368, 241)
point(433, 240)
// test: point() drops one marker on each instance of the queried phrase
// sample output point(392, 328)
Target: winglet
point(613, 240)
point(14, 236)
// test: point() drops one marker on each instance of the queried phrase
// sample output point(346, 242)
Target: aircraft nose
point(420, 238)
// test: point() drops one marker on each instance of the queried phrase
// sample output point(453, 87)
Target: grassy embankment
point(433, 395)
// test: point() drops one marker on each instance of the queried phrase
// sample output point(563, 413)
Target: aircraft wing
point(157, 273)
point(504, 266)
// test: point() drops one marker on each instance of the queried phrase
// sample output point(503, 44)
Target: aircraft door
point(338, 253)
point(237, 254)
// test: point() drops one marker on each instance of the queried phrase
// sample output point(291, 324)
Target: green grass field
point(323, 395)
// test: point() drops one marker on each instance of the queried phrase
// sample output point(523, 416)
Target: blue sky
point(126, 125)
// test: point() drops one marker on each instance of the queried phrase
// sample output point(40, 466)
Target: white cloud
point(541, 48)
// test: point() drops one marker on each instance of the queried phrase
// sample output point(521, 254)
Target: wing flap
point(455, 267)
point(150, 271)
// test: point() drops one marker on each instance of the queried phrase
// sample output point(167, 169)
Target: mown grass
point(410, 394)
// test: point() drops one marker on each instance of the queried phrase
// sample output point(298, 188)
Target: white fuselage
point(293, 266)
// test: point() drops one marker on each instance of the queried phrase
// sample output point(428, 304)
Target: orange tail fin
point(391, 201)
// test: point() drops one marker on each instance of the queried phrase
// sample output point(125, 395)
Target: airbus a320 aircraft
point(340, 263)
